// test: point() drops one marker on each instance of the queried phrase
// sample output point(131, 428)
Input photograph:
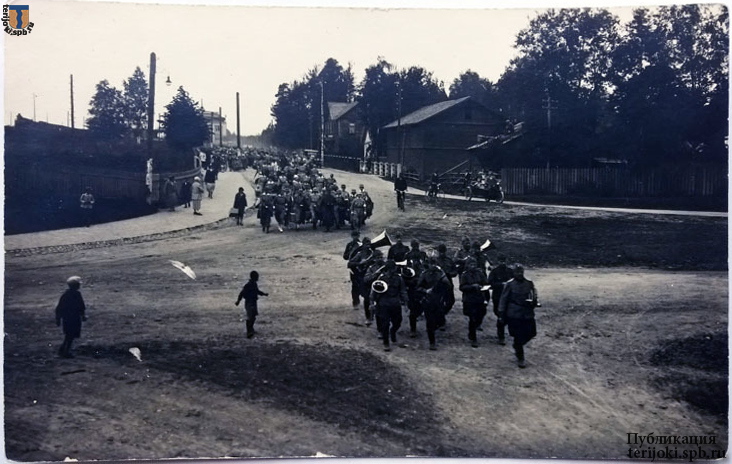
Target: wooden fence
point(603, 182)
point(591, 182)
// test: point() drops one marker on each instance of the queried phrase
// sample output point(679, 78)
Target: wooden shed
point(436, 137)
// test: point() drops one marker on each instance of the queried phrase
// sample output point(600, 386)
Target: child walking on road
point(250, 294)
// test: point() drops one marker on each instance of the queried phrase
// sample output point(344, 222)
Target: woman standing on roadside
point(197, 195)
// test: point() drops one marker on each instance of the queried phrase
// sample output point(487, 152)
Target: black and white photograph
point(365, 229)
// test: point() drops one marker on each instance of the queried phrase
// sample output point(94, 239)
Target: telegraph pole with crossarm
point(548, 105)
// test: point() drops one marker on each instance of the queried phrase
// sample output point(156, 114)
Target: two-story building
point(216, 127)
point(343, 134)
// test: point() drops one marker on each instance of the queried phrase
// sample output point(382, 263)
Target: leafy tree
point(470, 84)
point(184, 123)
point(379, 96)
point(418, 88)
point(135, 100)
point(386, 94)
point(671, 85)
point(107, 113)
point(297, 108)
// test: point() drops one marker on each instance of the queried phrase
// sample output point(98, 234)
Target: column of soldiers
point(410, 281)
point(293, 192)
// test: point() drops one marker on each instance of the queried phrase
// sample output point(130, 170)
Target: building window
point(351, 128)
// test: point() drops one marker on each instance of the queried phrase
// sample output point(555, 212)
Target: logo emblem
point(19, 16)
point(16, 19)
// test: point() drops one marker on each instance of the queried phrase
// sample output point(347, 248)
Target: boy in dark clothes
point(250, 293)
point(71, 311)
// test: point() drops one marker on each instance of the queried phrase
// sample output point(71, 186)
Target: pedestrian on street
point(472, 281)
point(87, 206)
point(170, 193)
point(516, 308)
point(250, 294)
point(197, 195)
point(185, 194)
point(497, 278)
point(240, 203)
point(389, 299)
point(210, 180)
point(400, 187)
point(70, 311)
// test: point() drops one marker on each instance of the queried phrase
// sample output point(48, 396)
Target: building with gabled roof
point(344, 135)
point(436, 137)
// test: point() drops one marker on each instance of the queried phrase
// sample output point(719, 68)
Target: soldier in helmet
point(389, 302)
point(516, 308)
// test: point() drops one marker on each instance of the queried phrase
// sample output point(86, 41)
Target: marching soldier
point(265, 211)
point(368, 200)
point(462, 254)
point(350, 251)
point(450, 269)
point(358, 263)
point(398, 251)
point(372, 274)
point(358, 211)
point(315, 207)
point(472, 280)
point(516, 308)
point(327, 205)
point(434, 291)
point(416, 257)
point(343, 203)
point(480, 257)
point(496, 279)
point(389, 303)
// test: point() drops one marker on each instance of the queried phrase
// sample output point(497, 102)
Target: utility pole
point(34, 106)
point(151, 108)
point(238, 131)
point(322, 124)
point(72, 101)
point(400, 138)
point(221, 129)
point(548, 105)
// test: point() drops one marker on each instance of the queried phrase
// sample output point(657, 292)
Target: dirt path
point(314, 380)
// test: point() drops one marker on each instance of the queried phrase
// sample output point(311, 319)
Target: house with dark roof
point(436, 137)
point(344, 132)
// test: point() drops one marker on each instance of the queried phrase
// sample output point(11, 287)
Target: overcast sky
point(222, 47)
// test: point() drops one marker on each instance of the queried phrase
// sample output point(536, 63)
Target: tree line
point(652, 91)
point(121, 115)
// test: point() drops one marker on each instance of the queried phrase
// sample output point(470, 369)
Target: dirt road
point(627, 344)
